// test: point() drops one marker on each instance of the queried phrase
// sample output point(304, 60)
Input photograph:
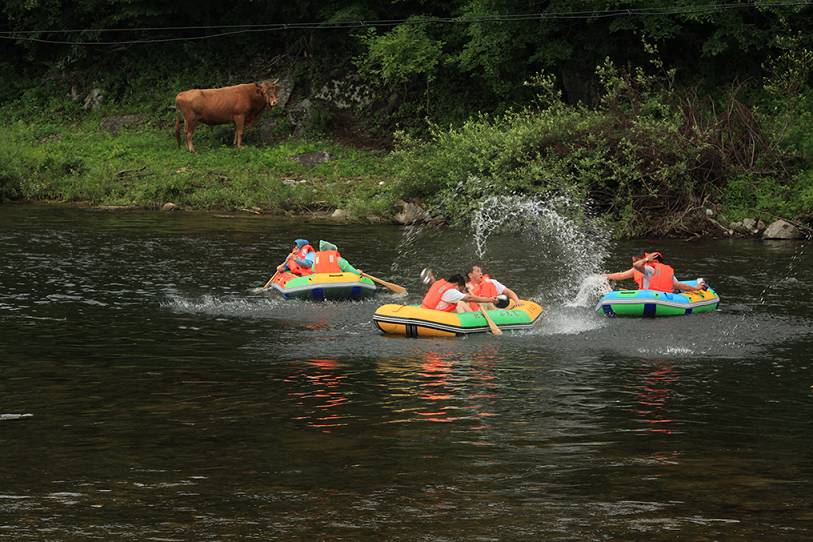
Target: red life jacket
point(433, 297)
point(486, 288)
point(327, 261)
point(297, 269)
point(661, 281)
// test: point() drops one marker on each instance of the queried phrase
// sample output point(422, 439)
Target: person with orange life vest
point(482, 285)
point(300, 260)
point(329, 260)
point(448, 295)
point(650, 273)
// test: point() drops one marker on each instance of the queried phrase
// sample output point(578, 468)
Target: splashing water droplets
point(555, 229)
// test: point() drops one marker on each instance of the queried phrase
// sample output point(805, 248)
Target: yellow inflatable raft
point(415, 321)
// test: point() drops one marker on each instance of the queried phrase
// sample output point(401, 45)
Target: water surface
point(150, 392)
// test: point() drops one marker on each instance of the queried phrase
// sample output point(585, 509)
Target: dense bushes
point(651, 157)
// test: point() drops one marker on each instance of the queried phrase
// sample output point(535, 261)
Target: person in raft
point(329, 260)
point(300, 260)
point(482, 285)
point(650, 273)
point(448, 295)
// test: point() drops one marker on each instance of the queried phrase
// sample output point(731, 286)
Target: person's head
point(474, 274)
point(299, 243)
point(458, 280)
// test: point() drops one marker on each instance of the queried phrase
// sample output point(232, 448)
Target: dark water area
point(149, 391)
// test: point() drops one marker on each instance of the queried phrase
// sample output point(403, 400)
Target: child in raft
point(484, 286)
point(650, 273)
point(447, 295)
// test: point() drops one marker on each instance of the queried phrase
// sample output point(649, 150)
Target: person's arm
point(640, 264)
point(345, 266)
point(511, 295)
point(622, 275)
point(477, 299)
point(683, 287)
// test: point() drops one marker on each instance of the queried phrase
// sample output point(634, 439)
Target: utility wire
point(230, 30)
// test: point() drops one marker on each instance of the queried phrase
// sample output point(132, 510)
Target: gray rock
point(753, 225)
point(781, 229)
point(312, 158)
point(115, 123)
point(93, 100)
point(411, 213)
point(169, 206)
point(340, 214)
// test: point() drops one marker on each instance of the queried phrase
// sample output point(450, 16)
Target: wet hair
point(458, 279)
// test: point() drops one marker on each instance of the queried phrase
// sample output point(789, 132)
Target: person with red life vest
point(300, 260)
point(329, 260)
point(448, 295)
point(650, 273)
point(482, 285)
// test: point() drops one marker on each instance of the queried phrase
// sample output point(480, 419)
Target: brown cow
point(240, 104)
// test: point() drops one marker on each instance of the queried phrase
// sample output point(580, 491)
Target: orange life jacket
point(297, 269)
point(327, 261)
point(486, 288)
point(433, 297)
point(661, 281)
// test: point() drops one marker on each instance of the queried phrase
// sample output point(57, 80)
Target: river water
point(150, 392)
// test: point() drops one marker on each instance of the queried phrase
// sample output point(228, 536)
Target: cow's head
point(269, 90)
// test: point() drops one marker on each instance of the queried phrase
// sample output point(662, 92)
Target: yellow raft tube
point(415, 321)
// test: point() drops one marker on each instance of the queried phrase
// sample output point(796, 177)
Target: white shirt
point(648, 273)
point(450, 297)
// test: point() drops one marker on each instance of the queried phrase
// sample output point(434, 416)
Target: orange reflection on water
point(448, 392)
point(322, 382)
point(653, 397)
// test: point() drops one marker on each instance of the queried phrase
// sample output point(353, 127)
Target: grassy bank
point(79, 160)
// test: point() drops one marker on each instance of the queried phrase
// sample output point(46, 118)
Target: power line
point(231, 30)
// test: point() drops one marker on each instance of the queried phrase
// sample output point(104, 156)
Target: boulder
point(782, 229)
point(753, 225)
point(114, 123)
point(312, 158)
point(340, 214)
point(411, 213)
point(169, 206)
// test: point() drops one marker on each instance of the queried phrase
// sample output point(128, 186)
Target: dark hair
point(458, 279)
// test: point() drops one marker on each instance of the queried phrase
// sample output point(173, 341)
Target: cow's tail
point(177, 127)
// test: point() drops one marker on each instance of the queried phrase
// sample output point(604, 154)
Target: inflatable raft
point(651, 303)
point(415, 321)
point(324, 286)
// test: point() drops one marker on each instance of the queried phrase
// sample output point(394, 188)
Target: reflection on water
point(149, 392)
point(653, 396)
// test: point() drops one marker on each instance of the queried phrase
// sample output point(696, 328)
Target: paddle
point(389, 285)
point(492, 326)
point(267, 284)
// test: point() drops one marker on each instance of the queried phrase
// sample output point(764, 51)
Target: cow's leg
point(189, 129)
point(239, 122)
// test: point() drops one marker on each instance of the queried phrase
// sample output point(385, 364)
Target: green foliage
point(401, 55)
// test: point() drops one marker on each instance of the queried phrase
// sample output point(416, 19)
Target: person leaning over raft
point(484, 286)
point(447, 295)
point(300, 260)
point(650, 273)
point(329, 260)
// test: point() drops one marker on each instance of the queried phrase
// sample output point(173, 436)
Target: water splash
point(555, 230)
point(590, 290)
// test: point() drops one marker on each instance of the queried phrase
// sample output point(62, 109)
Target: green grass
point(75, 161)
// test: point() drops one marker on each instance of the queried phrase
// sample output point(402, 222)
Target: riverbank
point(653, 164)
point(83, 161)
